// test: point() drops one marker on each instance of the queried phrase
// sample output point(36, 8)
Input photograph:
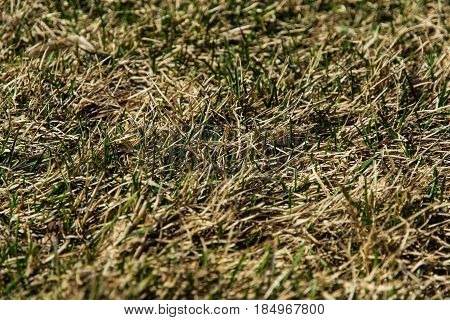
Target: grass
point(224, 149)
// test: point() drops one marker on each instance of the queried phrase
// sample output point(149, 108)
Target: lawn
point(224, 149)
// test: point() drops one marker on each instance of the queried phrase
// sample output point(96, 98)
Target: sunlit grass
point(224, 149)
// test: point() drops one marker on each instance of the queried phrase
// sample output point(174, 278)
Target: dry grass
point(224, 149)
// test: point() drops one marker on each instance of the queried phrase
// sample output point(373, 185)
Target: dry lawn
point(224, 149)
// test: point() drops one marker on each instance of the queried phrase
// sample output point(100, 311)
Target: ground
point(224, 149)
